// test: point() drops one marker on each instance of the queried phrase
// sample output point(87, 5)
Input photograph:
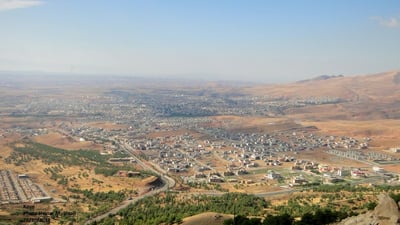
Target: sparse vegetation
point(48, 154)
point(172, 128)
point(172, 208)
point(64, 158)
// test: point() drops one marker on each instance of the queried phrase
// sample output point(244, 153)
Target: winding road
point(168, 183)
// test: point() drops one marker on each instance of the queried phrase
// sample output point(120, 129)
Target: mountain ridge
point(349, 87)
point(363, 97)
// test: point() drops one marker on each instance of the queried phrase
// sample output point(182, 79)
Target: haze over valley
point(95, 144)
point(203, 112)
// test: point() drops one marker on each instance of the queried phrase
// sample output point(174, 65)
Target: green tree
point(284, 219)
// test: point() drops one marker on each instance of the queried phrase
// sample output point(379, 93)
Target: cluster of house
point(149, 112)
point(363, 155)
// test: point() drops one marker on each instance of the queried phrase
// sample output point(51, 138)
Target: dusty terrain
point(370, 109)
point(209, 218)
point(363, 97)
point(66, 142)
point(81, 177)
point(255, 124)
point(359, 87)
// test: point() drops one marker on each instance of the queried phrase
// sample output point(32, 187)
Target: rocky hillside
point(385, 213)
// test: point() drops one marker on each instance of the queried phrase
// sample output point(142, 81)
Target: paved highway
point(168, 182)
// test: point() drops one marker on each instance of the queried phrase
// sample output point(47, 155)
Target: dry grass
point(384, 133)
point(10, 122)
point(332, 160)
point(366, 97)
point(208, 218)
point(66, 142)
point(335, 119)
point(78, 177)
point(255, 124)
point(392, 168)
point(368, 87)
point(4, 213)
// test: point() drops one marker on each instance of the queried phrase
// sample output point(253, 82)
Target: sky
point(248, 40)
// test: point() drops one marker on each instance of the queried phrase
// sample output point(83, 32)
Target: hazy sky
point(269, 41)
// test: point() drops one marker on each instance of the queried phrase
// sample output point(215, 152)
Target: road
point(168, 183)
point(125, 204)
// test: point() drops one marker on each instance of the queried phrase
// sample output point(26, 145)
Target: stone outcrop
point(385, 213)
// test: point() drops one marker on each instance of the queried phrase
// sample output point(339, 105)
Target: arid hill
point(208, 218)
point(357, 88)
point(365, 97)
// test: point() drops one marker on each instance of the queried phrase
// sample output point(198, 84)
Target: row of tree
point(171, 208)
point(320, 217)
point(63, 158)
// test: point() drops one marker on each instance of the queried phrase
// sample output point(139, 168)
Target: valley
point(105, 145)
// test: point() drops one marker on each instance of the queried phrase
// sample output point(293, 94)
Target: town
point(180, 133)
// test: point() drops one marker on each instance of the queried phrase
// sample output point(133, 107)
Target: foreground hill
point(385, 213)
point(208, 218)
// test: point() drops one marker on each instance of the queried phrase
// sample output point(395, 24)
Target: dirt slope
point(362, 87)
point(208, 218)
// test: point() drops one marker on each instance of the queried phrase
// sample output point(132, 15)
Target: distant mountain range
point(373, 96)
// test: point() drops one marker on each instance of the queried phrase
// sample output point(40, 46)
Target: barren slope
point(364, 87)
point(208, 218)
point(366, 97)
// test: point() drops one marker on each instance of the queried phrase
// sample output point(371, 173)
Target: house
point(173, 169)
point(203, 168)
point(133, 173)
point(21, 176)
point(298, 180)
point(357, 173)
point(323, 168)
point(216, 179)
point(395, 150)
point(377, 169)
point(272, 175)
point(41, 199)
point(249, 182)
point(200, 175)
